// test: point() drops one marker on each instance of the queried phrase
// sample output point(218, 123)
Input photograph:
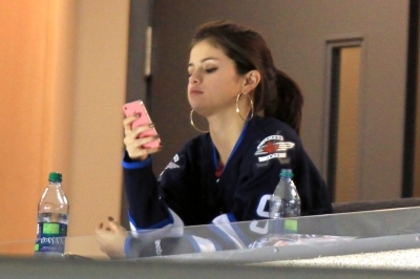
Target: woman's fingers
point(136, 132)
point(115, 226)
point(111, 237)
point(134, 146)
point(133, 135)
point(133, 140)
point(128, 121)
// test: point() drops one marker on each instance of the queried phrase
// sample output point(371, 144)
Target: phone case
point(139, 107)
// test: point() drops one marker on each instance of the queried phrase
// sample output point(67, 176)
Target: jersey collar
point(238, 143)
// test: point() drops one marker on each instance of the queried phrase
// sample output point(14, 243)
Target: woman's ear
point(252, 79)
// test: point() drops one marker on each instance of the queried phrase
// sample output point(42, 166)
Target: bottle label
point(283, 226)
point(50, 237)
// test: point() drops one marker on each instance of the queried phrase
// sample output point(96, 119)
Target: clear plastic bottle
point(285, 201)
point(53, 213)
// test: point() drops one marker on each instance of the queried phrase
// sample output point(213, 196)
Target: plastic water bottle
point(53, 213)
point(285, 201)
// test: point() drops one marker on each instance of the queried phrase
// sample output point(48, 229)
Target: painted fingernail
point(110, 218)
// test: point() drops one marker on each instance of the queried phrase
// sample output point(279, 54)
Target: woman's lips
point(195, 92)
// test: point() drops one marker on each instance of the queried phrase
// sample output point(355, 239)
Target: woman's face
point(213, 82)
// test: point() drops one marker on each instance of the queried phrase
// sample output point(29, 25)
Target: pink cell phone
point(139, 107)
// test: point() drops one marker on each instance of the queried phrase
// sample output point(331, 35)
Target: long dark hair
point(277, 95)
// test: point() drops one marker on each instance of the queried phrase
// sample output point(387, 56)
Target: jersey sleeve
point(151, 205)
point(147, 211)
point(220, 235)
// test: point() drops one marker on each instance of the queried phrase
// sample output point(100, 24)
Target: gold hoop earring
point(192, 123)
point(238, 111)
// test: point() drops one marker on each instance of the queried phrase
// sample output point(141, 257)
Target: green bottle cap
point(286, 173)
point(55, 177)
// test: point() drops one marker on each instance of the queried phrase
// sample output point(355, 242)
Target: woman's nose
point(193, 79)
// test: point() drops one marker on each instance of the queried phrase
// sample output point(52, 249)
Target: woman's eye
point(211, 70)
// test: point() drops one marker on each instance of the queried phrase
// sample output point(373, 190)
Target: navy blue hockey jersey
point(192, 190)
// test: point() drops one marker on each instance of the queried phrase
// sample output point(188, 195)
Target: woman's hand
point(133, 143)
point(112, 238)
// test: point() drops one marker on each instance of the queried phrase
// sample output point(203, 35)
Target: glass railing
point(261, 241)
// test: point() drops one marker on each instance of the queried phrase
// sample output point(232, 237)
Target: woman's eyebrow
point(203, 60)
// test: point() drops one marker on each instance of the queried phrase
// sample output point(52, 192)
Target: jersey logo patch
point(273, 147)
point(176, 158)
point(172, 166)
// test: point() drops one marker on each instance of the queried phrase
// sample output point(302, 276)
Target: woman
point(228, 173)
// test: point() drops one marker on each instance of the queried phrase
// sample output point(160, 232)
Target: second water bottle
point(285, 201)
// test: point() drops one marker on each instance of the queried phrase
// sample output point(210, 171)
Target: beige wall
point(62, 85)
point(23, 101)
point(100, 77)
